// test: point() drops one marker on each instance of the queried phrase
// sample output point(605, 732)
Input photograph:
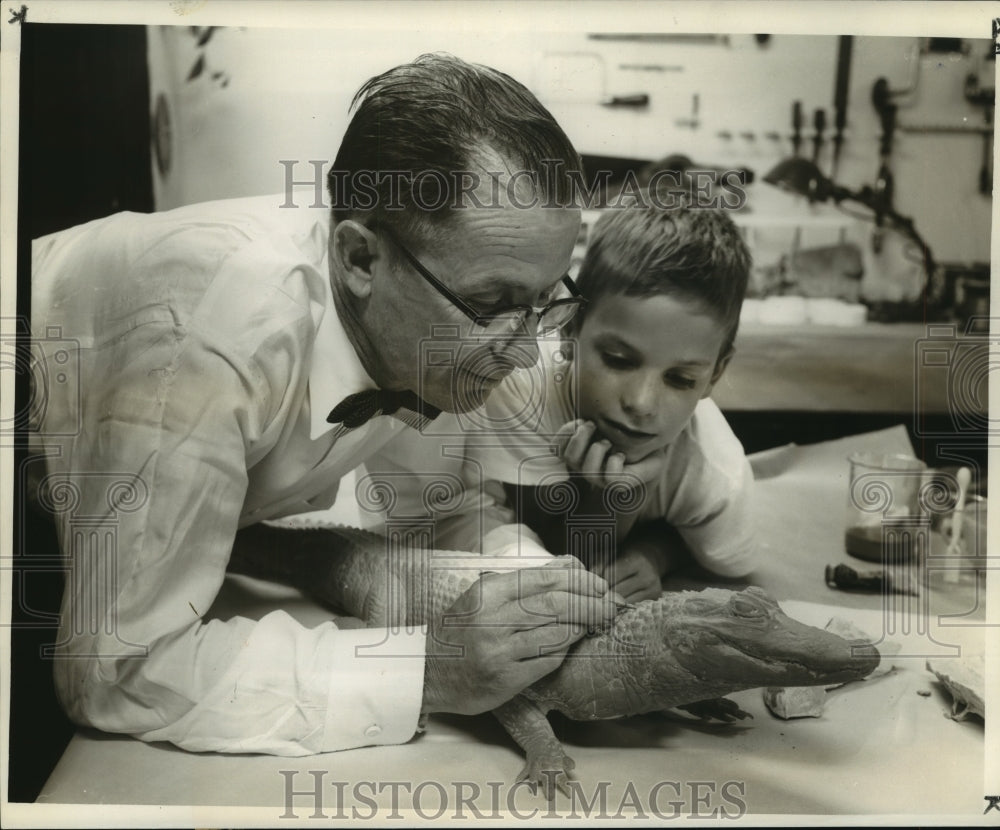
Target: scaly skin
point(683, 648)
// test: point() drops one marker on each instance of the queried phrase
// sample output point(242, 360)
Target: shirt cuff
point(376, 688)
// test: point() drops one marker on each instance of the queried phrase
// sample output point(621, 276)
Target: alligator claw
point(719, 708)
point(550, 774)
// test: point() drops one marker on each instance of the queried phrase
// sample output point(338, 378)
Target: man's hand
point(507, 631)
point(593, 457)
point(635, 574)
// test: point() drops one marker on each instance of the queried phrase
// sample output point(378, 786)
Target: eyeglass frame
point(578, 300)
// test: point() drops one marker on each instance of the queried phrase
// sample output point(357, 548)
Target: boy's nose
point(639, 400)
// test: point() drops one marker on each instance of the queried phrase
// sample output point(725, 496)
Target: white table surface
point(882, 747)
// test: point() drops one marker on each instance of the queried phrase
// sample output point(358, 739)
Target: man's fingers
point(561, 607)
point(523, 673)
point(546, 642)
point(510, 630)
point(532, 597)
point(616, 598)
point(527, 582)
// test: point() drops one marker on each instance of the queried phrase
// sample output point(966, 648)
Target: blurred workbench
point(882, 747)
point(875, 367)
point(811, 383)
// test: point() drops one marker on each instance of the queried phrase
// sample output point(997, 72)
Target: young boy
point(622, 414)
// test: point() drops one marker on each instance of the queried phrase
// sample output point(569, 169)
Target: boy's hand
point(635, 574)
point(597, 462)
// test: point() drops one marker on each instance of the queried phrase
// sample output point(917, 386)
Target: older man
point(223, 364)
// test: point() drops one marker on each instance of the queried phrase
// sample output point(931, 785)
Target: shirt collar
point(336, 370)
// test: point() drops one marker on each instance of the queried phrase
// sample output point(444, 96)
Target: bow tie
point(359, 408)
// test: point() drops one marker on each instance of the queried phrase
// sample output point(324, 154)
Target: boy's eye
point(617, 361)
point(679, 381)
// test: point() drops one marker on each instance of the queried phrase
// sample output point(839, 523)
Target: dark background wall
point(84, 153)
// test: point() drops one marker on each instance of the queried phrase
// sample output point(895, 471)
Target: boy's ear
point(720, 367)
point(353, 249)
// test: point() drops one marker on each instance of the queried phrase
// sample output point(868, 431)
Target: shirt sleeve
point(707, 494)
point(147, 496)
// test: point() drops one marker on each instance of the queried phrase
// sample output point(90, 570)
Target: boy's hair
point(696, 254)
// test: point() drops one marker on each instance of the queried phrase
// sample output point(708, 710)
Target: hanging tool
point(986, 168)
point(983, 97)
point(976, 96)
point(886, 109)
point(819, 125)
point(639, 100)
point(691, 122)
point(840, 93)
point(882, 192)
point(796, 127)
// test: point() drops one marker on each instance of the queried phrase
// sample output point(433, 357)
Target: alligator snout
point(833, 660)
point(864, 659)
point(761, 646)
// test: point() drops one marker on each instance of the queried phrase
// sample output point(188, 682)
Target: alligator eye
point(744, 607)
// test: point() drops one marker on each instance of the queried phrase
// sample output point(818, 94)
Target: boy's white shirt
point(705, 489)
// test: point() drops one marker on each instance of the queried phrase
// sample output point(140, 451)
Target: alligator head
point(745, 638)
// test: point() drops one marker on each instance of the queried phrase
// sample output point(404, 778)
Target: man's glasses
point(507, 321)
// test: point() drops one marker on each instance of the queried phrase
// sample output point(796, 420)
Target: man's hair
point(697, 254)
point(437, 114)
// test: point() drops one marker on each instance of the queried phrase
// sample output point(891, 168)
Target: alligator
point(684, 650)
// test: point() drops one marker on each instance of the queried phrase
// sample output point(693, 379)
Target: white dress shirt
point(704, 489)
point(189, 360)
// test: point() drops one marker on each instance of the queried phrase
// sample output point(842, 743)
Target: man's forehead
point(534, 224)
point(517, 246)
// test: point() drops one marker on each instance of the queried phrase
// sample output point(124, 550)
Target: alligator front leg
point(719, 708)
point(546, 763)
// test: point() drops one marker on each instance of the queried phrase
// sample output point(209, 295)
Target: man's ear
point(720, 367)
point(353, 251)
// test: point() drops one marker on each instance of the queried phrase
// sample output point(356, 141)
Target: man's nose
point(520, 351)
